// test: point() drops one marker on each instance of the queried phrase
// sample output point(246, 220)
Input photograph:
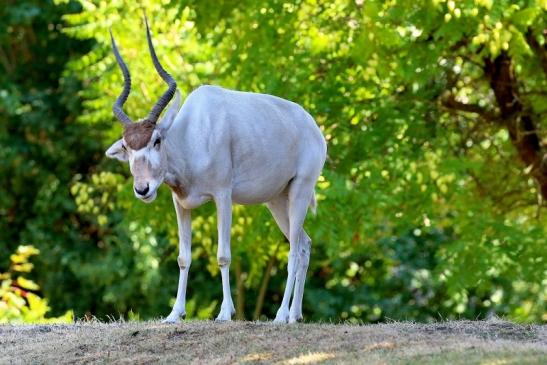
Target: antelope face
point(141, 144)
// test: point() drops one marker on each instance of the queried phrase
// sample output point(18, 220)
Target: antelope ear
point(117, 151)
point(171, 113)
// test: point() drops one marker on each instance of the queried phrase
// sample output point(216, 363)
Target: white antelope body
point(233, 148)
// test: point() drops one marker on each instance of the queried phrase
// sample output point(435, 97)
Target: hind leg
point(304, 250)
point(299, 197)
point(279, 209)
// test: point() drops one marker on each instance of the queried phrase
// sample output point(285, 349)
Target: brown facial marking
point(137, 135)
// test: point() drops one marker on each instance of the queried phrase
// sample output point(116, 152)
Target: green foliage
point(425, 206)
point(18, 302)
point(42, 147)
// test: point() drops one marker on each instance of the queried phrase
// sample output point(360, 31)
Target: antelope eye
point(123, 147)
point(157, 142)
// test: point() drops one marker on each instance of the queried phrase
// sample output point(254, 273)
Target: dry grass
point(484, 342)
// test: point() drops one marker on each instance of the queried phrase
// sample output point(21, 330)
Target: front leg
point(224, 257)
point(184, 259)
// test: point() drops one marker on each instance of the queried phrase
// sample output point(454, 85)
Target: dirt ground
point(206, 342)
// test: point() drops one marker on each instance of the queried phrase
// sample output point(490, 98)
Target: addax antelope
point(231, 147)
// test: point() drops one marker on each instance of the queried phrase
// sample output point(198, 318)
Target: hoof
point(219, 319)
point(224, 315)
point(282, 317)
point(296, 319)
point(174, 318)
point(223, 318)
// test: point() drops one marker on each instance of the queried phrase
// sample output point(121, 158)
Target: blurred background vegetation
point(431, 204)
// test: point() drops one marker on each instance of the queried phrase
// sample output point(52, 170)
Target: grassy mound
point(199, 342)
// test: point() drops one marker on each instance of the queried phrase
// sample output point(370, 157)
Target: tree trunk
point(264, 287)
point(240, 298)
point(519, 123)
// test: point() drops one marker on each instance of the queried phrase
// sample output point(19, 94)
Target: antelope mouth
point(149, 198)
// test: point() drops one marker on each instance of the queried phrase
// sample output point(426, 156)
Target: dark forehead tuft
point(137, 135)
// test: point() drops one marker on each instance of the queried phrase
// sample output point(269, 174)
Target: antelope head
point(141, 144)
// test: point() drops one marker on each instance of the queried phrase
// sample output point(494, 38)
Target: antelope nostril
point(143, 191)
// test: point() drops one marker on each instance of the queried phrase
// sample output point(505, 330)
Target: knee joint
point(304, 258)
point(224, 260)
point(304, 251)
point(304, 246)
point(184, 262)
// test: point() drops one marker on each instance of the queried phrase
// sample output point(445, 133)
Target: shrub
point(19, 300)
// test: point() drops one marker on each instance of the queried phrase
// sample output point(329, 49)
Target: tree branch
point(264, 285)
point(453, 104)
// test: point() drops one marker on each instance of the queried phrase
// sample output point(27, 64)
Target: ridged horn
point(172, 85)
point(118, 104)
